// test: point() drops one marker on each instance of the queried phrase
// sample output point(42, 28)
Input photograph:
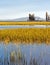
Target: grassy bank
point(24, 23)
point(25, 35)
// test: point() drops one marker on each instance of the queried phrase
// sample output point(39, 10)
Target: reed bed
point(25, 23)
point(25, 35)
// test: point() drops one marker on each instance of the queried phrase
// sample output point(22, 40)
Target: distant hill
point(21, 19)
point(24, 19)
point(27, 19)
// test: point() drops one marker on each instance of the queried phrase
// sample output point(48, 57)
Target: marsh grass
point(25, 35)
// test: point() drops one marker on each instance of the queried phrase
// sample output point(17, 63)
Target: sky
point(12, 9)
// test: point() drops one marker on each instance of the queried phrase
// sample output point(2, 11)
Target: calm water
point(40, 52)
point(24, 26)
point(35, 51)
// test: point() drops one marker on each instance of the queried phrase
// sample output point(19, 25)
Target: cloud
point(13, 14)
point(10, 9)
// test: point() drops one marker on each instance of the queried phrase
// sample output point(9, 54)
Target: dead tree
point(46, 16)
point(31, 17)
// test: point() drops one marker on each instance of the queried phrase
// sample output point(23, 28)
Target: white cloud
point(12, 13)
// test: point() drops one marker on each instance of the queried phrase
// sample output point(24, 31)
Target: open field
point(25, 23)
point(25, 35)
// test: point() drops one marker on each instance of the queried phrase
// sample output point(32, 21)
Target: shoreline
point(25, 23)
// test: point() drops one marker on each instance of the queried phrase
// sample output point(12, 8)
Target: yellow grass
point(26, 35)
point(25, 23)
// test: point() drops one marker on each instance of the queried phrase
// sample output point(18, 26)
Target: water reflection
point(12, 54)
point(24, 26)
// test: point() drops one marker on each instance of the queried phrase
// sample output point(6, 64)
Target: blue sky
point(10, 9)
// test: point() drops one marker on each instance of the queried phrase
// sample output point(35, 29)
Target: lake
point(23, 26)
point(32, 54)
point(40, 53)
